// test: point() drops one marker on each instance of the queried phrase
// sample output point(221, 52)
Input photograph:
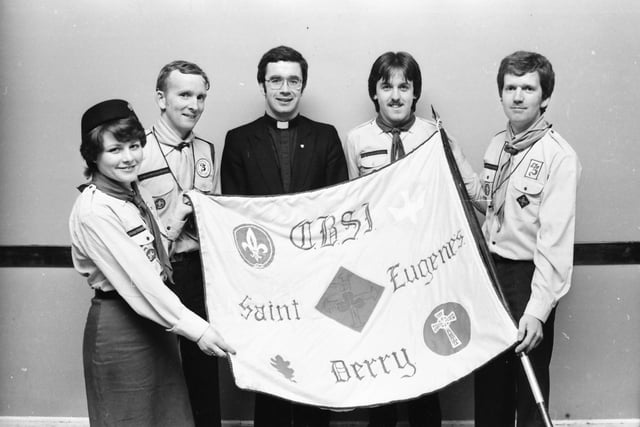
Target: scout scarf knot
point(115, 189)
point(397, 149)
point(183, 144)
point(513, 144)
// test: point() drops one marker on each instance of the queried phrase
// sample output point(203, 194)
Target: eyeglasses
point(276, 83)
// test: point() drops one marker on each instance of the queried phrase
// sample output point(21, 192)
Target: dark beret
point(104, 112)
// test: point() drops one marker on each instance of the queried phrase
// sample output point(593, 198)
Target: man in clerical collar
point(175, 161)
point(278, 153)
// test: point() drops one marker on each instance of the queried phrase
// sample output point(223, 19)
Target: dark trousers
point(275, 412)
point(200, 370)
point(501, 386)
point(422, 412)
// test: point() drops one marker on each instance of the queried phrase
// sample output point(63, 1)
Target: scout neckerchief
point(115, 189)
point(513, 145)
point(164, 135)
point(397, 149)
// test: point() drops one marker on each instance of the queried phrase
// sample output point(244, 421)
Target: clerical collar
point(277, 124)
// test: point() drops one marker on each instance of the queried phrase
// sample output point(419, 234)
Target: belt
point(497, 258)
point(184, 256)
point(107, 294)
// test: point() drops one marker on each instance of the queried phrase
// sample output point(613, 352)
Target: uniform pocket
point(528, 187)
point(527, 195)
point(372, 160)
point(143, 238)
point(160, 188)
point(204, 185)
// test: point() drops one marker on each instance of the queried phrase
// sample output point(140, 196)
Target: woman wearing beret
point(131, 364)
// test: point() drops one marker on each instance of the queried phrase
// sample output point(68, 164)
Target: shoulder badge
point(534, 168)
point(203, 168)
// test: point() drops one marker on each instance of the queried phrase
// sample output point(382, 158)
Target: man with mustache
point(395, 85)
point(282, 152)
point(175, 161)
point(529, 184)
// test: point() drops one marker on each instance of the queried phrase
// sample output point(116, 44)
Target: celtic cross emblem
point(444, 323)
point(452, 319)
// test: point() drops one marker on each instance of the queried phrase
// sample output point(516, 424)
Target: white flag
point(363, 293)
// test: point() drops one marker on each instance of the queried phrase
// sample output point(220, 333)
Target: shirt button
point(493, 243)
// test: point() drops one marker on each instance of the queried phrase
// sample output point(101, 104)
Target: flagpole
point(535, 389)
point(484, 251)
point(469, 210)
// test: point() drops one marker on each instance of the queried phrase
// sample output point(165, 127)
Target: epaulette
point(367, 123)
point(203, 140)
point(557, 138)
point(428, 120)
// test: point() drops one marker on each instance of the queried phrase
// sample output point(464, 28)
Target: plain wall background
point(58, 57)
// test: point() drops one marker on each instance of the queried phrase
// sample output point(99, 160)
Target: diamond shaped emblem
point(523, 201)
point(350, 299)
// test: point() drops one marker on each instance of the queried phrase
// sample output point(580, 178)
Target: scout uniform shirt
point(539, 214)
point(112, 246)
point(172, 166)
point(368, 148)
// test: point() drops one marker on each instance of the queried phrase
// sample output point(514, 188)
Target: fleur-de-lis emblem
point(254, 245)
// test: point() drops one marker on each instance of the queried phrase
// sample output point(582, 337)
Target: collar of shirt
point(277, 124)
point(379, 130)
point(167, 137)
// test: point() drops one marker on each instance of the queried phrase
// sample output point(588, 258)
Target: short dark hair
point(123, 130)
point(522, 62)
point(386, 65)
point(282, 53)
point(185, 67)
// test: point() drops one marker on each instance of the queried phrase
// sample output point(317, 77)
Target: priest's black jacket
point(250, 164)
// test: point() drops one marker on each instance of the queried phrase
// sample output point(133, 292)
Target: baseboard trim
point(84, 422)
